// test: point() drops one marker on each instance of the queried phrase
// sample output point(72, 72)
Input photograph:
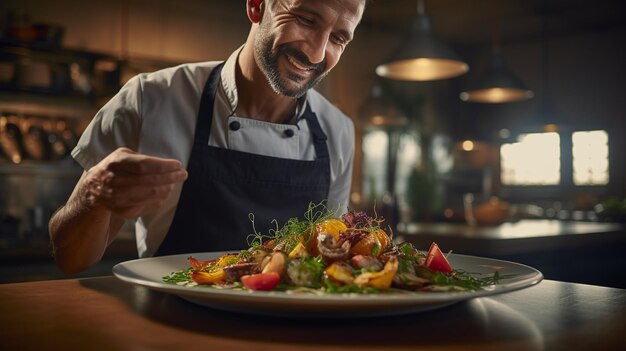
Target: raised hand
point(131, 184)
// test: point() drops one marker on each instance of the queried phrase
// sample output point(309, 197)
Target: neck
point(256, 97)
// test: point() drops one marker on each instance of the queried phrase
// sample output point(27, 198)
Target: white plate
point(149, 272)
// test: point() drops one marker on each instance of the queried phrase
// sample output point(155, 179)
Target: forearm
point(123, 185)
point(80, 233)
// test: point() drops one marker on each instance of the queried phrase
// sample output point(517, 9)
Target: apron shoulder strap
point(319, 137)
point(205, 112)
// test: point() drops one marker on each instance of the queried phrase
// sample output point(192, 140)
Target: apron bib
point(225, 186)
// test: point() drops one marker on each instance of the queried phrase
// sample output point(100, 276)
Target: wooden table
point(105, 313)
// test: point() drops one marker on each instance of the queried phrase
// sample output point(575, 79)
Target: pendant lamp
point(497, 84)
point(548, 113)
point(422, 56)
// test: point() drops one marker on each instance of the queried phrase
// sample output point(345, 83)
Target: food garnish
point(323, 254)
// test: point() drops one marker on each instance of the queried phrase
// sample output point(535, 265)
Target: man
point(192, 150)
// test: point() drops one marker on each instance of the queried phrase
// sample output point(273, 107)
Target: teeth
point(297, 64)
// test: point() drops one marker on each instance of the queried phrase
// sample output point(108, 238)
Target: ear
point(255, 10)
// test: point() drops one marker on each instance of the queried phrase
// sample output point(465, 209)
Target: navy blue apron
point(225, 186)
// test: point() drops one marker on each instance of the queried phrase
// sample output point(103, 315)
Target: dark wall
point(581, 76)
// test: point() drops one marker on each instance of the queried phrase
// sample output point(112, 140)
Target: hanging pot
point(10, 142)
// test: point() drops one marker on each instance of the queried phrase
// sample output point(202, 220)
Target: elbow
point(69, 270)
point(71, 262)
point(70, 254)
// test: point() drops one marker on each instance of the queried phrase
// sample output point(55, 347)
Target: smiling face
point(299, 41)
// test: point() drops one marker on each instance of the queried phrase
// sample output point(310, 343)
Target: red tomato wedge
point(261, 281)
point(436, 261)
point(197, 264)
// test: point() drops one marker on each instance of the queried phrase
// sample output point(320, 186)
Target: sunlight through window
point(375, 149)
point(590, 151)
point(409, 155)
point(375, 146)
point(534, 160)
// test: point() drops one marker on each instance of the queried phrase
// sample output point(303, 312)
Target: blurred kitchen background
point(512, 150)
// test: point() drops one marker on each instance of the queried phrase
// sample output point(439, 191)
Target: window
point(409, 155)
point(590, 153)
point(534, 160)
point(375, 146)
point(375, 158)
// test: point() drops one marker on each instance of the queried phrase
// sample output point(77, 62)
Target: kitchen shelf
point(29, 103)
point(35, 73)
point(57, 169)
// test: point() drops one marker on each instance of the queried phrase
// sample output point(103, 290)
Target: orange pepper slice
point(208, 278)
point(331, 226)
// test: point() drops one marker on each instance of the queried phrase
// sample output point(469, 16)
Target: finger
point(142, 164)
point(139, 196)
point(135, 210)
point(130, 180)
point(128, 212)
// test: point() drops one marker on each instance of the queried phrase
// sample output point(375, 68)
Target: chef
point(205, 154)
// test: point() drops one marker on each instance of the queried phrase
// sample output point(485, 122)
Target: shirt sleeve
point(117, 124)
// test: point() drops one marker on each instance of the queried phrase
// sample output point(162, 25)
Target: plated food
point(320, 254)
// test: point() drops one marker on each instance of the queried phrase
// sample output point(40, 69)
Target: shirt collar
point(229, 85)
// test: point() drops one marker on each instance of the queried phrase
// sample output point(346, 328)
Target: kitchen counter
point(104, 313)
point(585, 252)
point(515, 237)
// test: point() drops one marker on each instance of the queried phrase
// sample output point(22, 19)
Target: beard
point(292, 85)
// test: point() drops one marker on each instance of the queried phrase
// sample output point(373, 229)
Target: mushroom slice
point(276, 263)
point(368, 263)
point(234, 272)
point(406, 280)
point(331, 250)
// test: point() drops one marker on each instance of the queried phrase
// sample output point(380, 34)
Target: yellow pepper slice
point(227, 259)
point(382, 279)
point(298, 251)
point(339, 273)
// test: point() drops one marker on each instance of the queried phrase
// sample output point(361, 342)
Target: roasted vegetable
point(382, 279)
point(261, 281)
point(348, 255)
point(305, 272)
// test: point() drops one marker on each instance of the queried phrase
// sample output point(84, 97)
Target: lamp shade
point(497, 84)
point(422, 56)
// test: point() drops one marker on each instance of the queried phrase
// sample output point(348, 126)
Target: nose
point(316, 45)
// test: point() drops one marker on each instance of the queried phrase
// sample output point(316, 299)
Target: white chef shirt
point(155, 114)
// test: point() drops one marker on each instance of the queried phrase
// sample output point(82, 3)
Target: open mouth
point(297, 64)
